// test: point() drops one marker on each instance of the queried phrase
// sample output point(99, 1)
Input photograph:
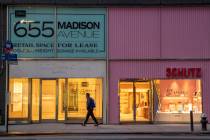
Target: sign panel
point(9, 57)
point(60, 33)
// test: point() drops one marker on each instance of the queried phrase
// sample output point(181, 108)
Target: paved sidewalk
point(59, 128)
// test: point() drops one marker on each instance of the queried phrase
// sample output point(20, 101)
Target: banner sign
point(58, 33)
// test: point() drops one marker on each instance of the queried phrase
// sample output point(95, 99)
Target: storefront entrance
point(53, 100)
point(135, 101)
point(48, 100)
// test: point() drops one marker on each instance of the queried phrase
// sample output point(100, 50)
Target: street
point(108, 137)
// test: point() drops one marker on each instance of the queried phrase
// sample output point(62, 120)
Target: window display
point(179, 96)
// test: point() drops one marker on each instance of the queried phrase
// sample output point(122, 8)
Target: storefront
point(154, 97)
point(61, 57)
point(160, 100)
point(55, 95)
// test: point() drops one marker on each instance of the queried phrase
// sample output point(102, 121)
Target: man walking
point(90, 107)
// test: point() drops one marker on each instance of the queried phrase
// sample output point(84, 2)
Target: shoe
point(83, 124)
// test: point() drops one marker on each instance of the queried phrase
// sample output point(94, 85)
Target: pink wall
point(185, 32)
point(134, 32)
point(175, 32)
point(151, 70)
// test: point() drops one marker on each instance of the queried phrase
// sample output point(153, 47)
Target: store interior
point(43, 100)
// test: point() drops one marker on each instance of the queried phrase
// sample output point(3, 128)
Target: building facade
point(147, 63)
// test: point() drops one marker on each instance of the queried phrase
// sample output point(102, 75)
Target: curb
point(104, 133)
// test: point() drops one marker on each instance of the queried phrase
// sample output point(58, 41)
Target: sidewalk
point(60, 128)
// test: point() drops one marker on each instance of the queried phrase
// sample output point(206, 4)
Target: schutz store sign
point(183, 72)
point(45, 32)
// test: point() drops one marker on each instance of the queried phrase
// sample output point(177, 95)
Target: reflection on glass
point(48, 99)
point(77, 88)
point(35, 99)
point(61, 99)
point(18, 102)
point(126, 101)
point(142, 101)
point(179, 96)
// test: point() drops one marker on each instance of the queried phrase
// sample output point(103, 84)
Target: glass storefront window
point(61, 99)
point(53, 99)
point(35, 99)
point(48, 100)
point(18, 101)
point(179, 96)
point(77, 89)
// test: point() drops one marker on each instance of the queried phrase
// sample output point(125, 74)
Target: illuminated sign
point(60, 33)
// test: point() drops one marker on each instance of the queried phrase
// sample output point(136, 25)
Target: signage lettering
point(79, 25)
point(74, 33)
point(183, 72)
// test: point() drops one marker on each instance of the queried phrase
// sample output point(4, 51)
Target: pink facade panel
point(151, 70)
point(185, 32)
point(164, 32)
point(134, 33)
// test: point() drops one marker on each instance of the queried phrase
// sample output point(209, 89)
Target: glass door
point(142, 101)
point(48, 100)
point(135, 101)
point(126, 101)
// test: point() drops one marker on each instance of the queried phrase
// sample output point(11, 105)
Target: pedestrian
point(90, 107)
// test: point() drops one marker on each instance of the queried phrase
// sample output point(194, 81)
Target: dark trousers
point(90, 113)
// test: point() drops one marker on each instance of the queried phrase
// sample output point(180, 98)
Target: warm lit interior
point(48, 95)
point(179, 96)
point(35, 99)
point(48, 100)
point(137, 93)
point(18, 101)
point(126, 101)
point(77, 88)
point(142, 101)
point(61, 99)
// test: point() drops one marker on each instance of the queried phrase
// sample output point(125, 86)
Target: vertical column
point(3, 27)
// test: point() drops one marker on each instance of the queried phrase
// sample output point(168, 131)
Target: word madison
point(78, 25)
